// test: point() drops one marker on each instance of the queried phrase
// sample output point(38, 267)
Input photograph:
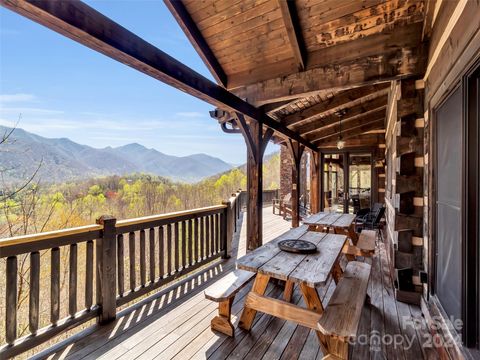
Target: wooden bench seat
point(223, 292)
point(339, 322)
point(365, 245)
point(366, 241)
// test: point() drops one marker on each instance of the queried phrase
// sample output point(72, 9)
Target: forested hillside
point(42, 207)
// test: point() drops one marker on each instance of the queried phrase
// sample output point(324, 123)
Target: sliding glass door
point(347, 181)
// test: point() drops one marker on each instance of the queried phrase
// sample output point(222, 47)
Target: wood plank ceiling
point(310, 63)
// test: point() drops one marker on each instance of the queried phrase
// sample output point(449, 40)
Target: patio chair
point(369, 219)
point(284, 205)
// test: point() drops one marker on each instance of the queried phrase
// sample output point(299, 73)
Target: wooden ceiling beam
point(360, 111)
point(374, 125)
point(400, 39)
point(369, 70)
point(347, 125)
point(359, 141)
point(290, 19)
point(343, 99)
point(80, 22)
point(193, 34)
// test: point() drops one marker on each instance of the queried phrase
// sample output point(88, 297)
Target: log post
point(314, 182)
point(256, 140)
point(296, 151)
point(107, 269)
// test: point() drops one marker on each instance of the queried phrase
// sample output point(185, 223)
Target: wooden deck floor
point(176, 324)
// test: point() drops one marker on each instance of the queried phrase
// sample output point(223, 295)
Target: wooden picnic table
point(308, 271)
point(339, 223)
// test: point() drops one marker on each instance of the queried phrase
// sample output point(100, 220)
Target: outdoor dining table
point(307, 270)
point(339, 223)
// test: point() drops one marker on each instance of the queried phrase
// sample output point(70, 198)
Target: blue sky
point(64, 89)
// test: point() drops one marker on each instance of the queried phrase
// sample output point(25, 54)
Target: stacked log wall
point(404, 191)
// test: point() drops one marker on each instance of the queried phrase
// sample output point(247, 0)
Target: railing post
point(107, 269)
point(227, 228)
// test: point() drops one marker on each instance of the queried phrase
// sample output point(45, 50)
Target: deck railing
point(121, 261)
point(78, 274)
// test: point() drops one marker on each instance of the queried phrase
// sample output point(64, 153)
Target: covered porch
point(175, 322)
point(333, 81)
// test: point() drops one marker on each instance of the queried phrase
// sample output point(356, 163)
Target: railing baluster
point(217, 233)
point(177, 252)
point(184, 244)
point(169, 249)
point(121, 264)
point(151, 238)
point(207, 237)
point(131, 254)
point(89, 275)
point(55, 286)
point(161, 251)
point(196, 239)
point(190, 242)
point(11, 300)
point(212, 234)
point(34, 295)
point(202, 236)
point(72, 281)
point(143, 268)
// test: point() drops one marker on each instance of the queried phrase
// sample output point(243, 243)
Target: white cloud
point(9, 98)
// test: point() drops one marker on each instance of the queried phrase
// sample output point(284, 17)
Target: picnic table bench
point(308, 271)
point(362, 245)
point(223, 292)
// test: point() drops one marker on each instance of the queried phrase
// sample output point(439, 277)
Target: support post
point(314, 182)
point(106, 248)
point(296, 151)
point(256, 141)
point(322, 181)
point(227, 219)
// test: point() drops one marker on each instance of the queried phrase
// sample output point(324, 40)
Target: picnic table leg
point(352, 234)
point(288, 292)
point(313, 302)
point(337, 272)
point(248, 314)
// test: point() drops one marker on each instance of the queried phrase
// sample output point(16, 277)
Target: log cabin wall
point(404, 188)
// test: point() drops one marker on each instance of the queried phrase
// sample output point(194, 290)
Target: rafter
point(290, 19)
point(374, 125)
point(193, 34)
point(360, 111)
point(89, 27)
point(346, 125)
point(347, 98)
point(363, 140)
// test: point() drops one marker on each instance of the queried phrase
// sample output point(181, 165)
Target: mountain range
point(60, 160)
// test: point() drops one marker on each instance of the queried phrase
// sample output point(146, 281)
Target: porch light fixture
point(340, 142)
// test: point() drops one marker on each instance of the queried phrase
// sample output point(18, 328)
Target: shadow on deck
point(176, 322)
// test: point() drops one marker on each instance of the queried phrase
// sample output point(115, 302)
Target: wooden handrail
point(49, 235)
point(167, 216)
